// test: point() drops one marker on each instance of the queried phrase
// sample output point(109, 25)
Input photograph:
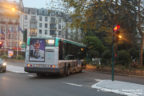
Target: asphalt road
point(24, 84)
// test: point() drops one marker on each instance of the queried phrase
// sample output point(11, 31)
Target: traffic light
point(116, 28)
point(115, 38)
point(117, 33)
point(1, 44)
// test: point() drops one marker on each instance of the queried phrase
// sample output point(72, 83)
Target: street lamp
point(20, 42)
point(13, 9)
point(120, 36)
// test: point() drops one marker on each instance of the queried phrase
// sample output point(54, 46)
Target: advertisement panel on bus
point(37, 50)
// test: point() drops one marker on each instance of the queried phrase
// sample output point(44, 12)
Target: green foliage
point(134, 53)
point(100, 16)
point(94, 45)
point(4, 57)
point(20, 57)
point(124, 57)
point(107, 54)
point(106, 57)
point(97, 18)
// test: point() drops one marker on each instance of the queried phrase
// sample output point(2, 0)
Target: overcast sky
point(37, 3)
point(34, 3)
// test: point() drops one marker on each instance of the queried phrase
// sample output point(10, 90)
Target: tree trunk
point(141, 50)
point(139, 26)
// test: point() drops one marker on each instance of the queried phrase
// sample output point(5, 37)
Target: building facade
point(10, 24)
point(44, 22)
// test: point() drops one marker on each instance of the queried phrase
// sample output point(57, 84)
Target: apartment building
point(43, 22)
point(10, 24)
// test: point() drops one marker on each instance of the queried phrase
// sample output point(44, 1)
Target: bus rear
point(41, 56)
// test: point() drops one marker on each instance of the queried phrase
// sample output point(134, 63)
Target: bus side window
point(69, 57)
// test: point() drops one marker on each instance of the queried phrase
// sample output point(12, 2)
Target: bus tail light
point(28, 65)
point(53, 66)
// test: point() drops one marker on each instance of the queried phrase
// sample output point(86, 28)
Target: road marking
point(73, 84)
point(15, 69)
point(31, 75)
point(98, 80)
point(119, 87)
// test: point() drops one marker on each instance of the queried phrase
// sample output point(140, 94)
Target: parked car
point(2, 66)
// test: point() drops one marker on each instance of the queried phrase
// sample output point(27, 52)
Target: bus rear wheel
point(68, 72)
point(40, 74)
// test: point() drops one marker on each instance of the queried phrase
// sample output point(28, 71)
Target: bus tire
point(40, 74)
point(80, 71)
point(68, 72)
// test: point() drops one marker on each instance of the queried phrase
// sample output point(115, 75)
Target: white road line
point(73, 84)
point(15, 69)
point(31, 75)
point(98, 80)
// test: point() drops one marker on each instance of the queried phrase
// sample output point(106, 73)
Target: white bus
point(54, 55)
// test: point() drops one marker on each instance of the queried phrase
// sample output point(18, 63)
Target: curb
point(134, 73)
point(15, 61)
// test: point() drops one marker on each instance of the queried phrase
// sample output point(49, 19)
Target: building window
point(46, 18)
point(40, 31)
point(46, 32)
point(25, 17)
point(53, 20)
point(59, 20)
point(59, 26)
point(52, 32)
point(40, 18)
point(52, 13)
point(46, 25)
point(33, 25)
point(52, 26)
point(33, 17)
point(40, 25)
point(59, 32)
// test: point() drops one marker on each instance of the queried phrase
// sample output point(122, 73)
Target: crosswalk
point(15, 69)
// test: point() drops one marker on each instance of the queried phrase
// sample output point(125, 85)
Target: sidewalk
point(20, 63)
point(119, 87)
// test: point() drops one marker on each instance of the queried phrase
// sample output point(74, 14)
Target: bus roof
point(57, 38)
point(74, 43)
point(71, 42)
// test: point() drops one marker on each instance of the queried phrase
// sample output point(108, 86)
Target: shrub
point(124, 58)
point(4, 56)
point(106, 57)
point(19, 57)
point(107, 54)
point(134, 53)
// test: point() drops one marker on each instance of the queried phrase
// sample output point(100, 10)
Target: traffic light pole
point(115, 39)
point(113, 57)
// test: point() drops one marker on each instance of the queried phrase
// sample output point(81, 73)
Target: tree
point(94, 45)
point(98, 17)
point(139, 27)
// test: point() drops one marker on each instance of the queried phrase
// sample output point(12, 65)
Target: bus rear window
point(50, 42)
